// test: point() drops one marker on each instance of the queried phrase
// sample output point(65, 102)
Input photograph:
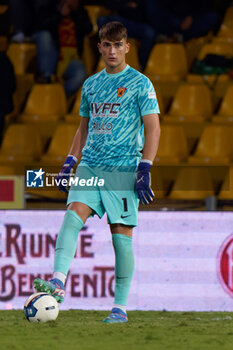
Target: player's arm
point(152, 135)
point(75, 151)
point(80, 138)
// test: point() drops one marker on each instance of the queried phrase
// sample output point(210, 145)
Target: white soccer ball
point(41, 307)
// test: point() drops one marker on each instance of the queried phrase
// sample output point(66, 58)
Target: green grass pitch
point(76, 329)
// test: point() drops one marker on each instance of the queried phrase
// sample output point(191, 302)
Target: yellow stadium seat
point(192, 183)
point(47, 194)
point(226, 191)
point(21, 143)
point(3, 9)
point(173, 146)
point(46, 102)
point(90, 53)
point(224, 49)
point(192, 102)
point(225, 113)
point(3, 42)
point(131, 56)
point(101, 64)
point(73, 117)
point(6, 170)
point(21, 55)
point(192, 48)
point(217, 48)
point(24, 83)
point(60, 144)
point(157, 182)
point(212, 80)
point(159, 98)
point(215, 145)
point(167, 62)
point(94, 11)
point(226, 28)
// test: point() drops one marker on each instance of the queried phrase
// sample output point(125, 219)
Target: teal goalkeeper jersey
point(115, 105)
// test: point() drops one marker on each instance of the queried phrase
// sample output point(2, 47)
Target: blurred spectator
point(22, 17)
point(191, 19)
point(60, 30)
point(5, 22)
point(133, 15)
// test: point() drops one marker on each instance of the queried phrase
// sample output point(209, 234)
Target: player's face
point(113, 53)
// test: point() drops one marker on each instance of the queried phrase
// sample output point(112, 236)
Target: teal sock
point(67, 241)
point(124, 266)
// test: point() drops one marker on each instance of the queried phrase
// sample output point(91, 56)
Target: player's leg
point(81, 204)
point(122, 211)
point(124, 268)
point(66, 243)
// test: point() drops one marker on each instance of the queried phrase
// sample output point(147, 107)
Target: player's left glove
point(66, 172)
point(143, 183)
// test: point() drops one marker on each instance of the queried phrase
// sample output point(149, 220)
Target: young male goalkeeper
point(116, 104)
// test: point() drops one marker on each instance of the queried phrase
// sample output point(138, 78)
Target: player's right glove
point(66, 172)
point(143, 183)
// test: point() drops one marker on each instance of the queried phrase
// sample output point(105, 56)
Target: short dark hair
point(113, 31)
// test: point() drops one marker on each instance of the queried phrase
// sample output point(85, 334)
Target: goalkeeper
point(117, 105)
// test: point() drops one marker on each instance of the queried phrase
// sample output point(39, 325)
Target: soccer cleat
point(116, 316)
point(54, 287)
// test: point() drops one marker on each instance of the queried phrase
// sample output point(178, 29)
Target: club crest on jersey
point(121, 91)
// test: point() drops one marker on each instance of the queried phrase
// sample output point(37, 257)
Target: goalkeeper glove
point(66, 172)
point(143, 182)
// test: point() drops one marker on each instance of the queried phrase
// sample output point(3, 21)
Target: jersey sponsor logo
point(121, 91)
point(151, 95)
point(102, 128)
point(104, 109)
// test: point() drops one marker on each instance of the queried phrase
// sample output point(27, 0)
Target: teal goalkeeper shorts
point(111, 192)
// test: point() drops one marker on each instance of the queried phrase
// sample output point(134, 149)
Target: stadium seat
point(24, 83)
point(226, 28)
point(167, 62)
point(59, 145)
point(90, 53)
point(167, 89)
point(6, 170)
point(192, 102)
point(157, 182)
point(215, 145)
point(73, 116)
point(21, 144)
point(226, 191)
point(218, 48)
point(225, 112)
point(173, 146)
point(3, 42)
point(223, 49)
point(46, 102)
point(94, 11)
point(159, 98)
point(3, 8)
point(131, 57)
point(193, 47)
point(21, 55)
point(192, 183)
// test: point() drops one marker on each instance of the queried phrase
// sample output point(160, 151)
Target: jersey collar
point(116, 74)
